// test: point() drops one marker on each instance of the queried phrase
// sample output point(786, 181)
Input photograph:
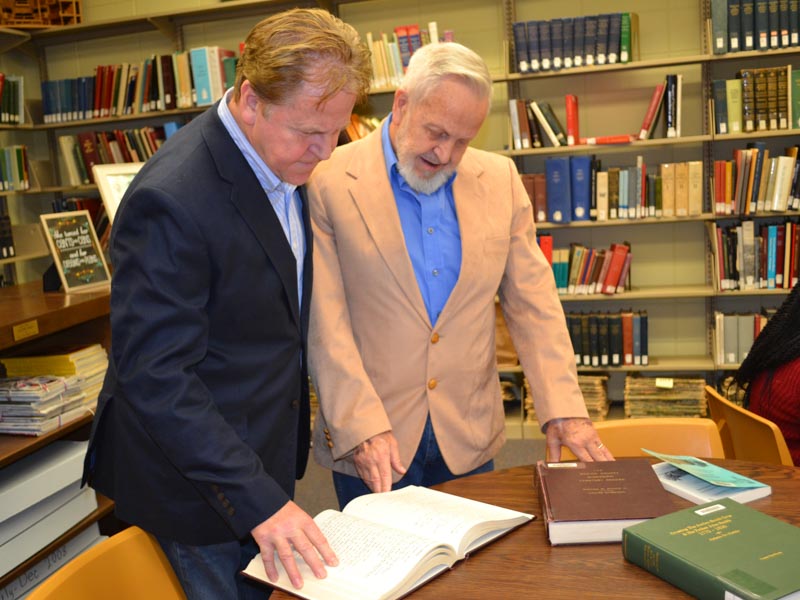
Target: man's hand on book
point(292, 529)
point(578, 435)
point(376, 458)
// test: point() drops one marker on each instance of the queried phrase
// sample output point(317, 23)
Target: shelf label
point(25, 330)
point(664, 383)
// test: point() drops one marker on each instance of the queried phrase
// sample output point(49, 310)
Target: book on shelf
point(557, 43)
point(699, 481)
point(651, 115)
point(734, 26)
point(573, 129)
point(533, 48)
point(747, 25)
point(413, 535)
point(568, 47)
point(719, 549)
point(21, 586)
point(559, 193)
point(593, 502)
point(601, 44)
point(719, 26)
point(520, 35)
point(614, 29)
point(734, 100)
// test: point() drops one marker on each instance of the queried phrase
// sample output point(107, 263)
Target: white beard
point(423, 185)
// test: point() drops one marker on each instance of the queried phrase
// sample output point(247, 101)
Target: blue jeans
point(212, 572)
point(427, 468)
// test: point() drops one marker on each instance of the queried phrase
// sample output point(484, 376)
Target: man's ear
point(249, 103)
point(399, 106)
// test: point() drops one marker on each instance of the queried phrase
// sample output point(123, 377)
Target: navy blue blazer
point(202, 425)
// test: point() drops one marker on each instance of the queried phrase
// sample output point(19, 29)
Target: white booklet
point(391, 543)
point(699, 481)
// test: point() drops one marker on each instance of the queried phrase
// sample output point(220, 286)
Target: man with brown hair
point(203, 422)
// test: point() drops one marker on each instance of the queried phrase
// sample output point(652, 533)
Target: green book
point(719, 549)
point(733, 87)
point(625, 38)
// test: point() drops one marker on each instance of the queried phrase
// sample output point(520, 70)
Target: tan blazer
point(376, 360)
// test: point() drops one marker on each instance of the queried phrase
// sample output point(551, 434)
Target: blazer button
point(295, 404)
point(432, 384)
point(330, 444)
point(434, 337)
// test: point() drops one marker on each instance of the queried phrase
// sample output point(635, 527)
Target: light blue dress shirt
point(282, 196)
point(430, 227)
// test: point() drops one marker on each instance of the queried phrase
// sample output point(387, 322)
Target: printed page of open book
point(375, 562)
point(460, 522)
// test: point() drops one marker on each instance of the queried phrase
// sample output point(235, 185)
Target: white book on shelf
point(25, 583)
point(15, 525)
point(39, 475)
point(32, 540)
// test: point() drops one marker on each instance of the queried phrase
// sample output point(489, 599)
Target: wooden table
point(524, 565)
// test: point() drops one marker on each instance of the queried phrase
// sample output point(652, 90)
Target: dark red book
point(88, 146)
point(593, 502)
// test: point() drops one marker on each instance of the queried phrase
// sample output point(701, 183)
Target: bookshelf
point(671, 272)
point(31, 322)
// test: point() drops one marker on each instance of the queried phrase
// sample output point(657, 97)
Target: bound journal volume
point(391, 543)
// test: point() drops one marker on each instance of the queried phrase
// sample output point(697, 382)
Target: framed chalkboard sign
point(76, 251)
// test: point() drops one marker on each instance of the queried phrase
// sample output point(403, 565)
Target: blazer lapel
point(471, 200)
point(372, 193)
point(251, 201)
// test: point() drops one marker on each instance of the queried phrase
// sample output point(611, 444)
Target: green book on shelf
point(720, 549)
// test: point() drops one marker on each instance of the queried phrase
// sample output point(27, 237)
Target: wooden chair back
point(127, 566)
point(746, 435)
point(686, 436)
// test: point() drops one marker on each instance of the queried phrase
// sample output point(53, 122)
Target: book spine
point(761, 25)
point(773, 16)
point(734, 26)
point(568, 47)
point(720, 106)
point(614, 30)
point(580, 186)
point(573, 134)
point(557, 42)
point(579, 40)
point(625, 38)
point(532, 43)
point(719, 26)
point(747, 18)
point(520, 32)
point(671, 568)
point(590, 40)
point(602, 38)
point(652, 109)
point(671, 106)
point(545, 46)
point(559, 197)
point(794, 22)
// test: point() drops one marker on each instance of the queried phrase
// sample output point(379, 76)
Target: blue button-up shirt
point(282, 196)
point(430, 227)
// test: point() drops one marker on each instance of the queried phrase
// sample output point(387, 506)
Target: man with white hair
point(415, 235)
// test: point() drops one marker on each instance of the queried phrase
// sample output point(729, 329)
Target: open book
point(391, 543)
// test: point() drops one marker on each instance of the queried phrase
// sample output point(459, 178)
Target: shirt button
point(430, 230)
point(435, 272)
point(431, 384)
point(434, 338)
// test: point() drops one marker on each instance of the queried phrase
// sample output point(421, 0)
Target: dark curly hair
point(777, 344)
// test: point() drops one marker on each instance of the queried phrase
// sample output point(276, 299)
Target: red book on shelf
point(618, 254)
point(573, 136)
point(602, 140)
point(652, 111)
point(99, 82)
point(627, 337)
point(88, 147)
point(623, 276)
point(546, 246)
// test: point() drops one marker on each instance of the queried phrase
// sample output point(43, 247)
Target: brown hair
point(303, 46)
